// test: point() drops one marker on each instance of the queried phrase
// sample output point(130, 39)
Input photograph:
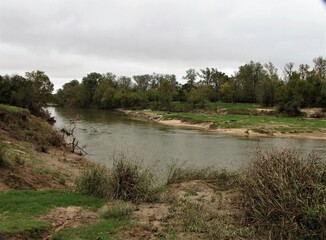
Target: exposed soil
point(157, 219)
point(55, 169)
point(62, 218)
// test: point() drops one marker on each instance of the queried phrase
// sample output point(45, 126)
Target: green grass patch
point(19, 209)
point(101, 230)
point(233, 106)
point(12, 155)
point(12, 108)
point(283, 124)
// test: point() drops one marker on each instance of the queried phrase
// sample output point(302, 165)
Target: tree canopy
point(253, 82)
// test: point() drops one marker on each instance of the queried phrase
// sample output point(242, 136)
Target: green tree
point(105, 90)
point(43, 87)
point(205, 76)
point(250, 77)
point(320, 68)
point(200, 96)
point(124, 83)
point(190, 77)
point(217, 79)
point(89, 84)
point(142, 82)
point(165, 92)
point(268, 85)
point(5, 89)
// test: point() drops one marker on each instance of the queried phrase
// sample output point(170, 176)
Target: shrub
point(286, 194)
point(94, 181)
point(130, 181)
point(291, 109)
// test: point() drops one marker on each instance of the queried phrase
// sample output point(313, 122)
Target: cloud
point(68, 38)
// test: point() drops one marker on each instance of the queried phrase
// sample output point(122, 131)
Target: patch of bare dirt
point(62, 218)
point(55, 169)
point(311, 112)
point(158, 219)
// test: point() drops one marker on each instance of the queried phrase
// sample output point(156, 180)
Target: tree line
point(33, 91)
point(253, 82)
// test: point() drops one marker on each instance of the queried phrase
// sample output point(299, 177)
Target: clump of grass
point(222, 179)
point(94, 181)
point(3, 156)
point(120, 210)
point(127, 180)
point(286, 194)
point(177, 173)
point(191, 216)
point(130, 181)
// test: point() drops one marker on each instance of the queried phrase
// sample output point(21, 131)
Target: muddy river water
point(106, 132)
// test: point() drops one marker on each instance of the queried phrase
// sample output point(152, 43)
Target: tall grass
point(127, 180)
point(130, 179)
point(222, 179)
point(94, 181)
point(287, 194)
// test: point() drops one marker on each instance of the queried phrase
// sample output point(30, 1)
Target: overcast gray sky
point(68, 39)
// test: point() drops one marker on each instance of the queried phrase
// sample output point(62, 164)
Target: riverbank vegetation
point(267, 123)
point(255, 97)
point(279, 195)
point(48, 192)
point(253, 83)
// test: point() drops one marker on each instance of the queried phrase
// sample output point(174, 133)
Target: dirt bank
point(33, 155)
point(30, 169)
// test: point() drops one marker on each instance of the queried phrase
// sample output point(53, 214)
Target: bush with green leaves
point(94, 181)
point(286, 194)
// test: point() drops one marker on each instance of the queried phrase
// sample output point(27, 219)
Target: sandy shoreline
point(242, 132)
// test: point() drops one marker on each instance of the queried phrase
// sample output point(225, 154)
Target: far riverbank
point(268, 126)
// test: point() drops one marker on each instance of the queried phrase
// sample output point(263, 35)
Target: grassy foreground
point(280, 195)
point(19, 209)
point(22, 212)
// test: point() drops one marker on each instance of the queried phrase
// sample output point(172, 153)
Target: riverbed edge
point(147, 115)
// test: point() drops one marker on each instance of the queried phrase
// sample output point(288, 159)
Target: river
point(106, 132)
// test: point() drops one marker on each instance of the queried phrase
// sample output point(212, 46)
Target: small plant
point(286, 194)
point(120, 210)
point(94, 181)
point(19, 161)
point(191, 216)
point(130, 181)
point(4, 159)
